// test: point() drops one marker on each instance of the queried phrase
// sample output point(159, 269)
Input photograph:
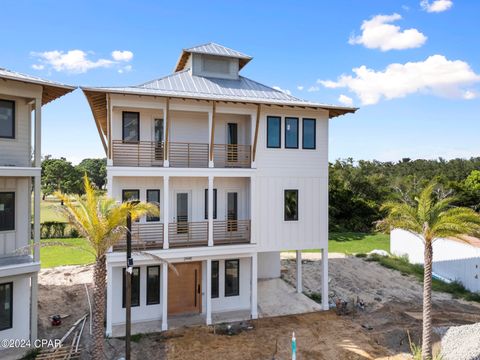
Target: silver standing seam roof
point(218, 50)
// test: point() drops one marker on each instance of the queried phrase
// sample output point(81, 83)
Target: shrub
point(74, 233)
point(52, 229)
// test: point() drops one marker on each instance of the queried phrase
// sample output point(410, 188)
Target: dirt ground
point(393, 305)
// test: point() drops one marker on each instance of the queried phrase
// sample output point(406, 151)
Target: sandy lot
point(393, 305)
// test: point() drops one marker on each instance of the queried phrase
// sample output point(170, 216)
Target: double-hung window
point(7, 211)
point(309, 134)
point(7, 119)
point(6, 303)
point(135, 287)
point(130, 126)
point(291, 133)
point(274, 130)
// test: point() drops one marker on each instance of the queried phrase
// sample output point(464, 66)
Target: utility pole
point(128, 289)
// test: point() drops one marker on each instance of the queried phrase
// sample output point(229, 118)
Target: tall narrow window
point(232, 153)
point(7, 119)
point(274, 129)
point(131, 126)
point(215, 278)
point(291, 205)
point(158, 133)
point(153, 285)
point(153, 196)
point(309, 133)
point(291, 133)
point(232, 211)
point(7, 211)
point(214, 204)
point(130, 195)
point(135, 287)
point(232, 277)
point(6, 303)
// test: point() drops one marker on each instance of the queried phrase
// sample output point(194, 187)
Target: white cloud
point(436, 6)
point(286, 91)
point(125, 69)
point(119, 55)
point(436, 75)
point(313, 89)
point(379, 33)
point(77, 61)
point(300, 87)
point(345, 100)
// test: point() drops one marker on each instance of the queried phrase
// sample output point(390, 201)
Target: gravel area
point(462, 343)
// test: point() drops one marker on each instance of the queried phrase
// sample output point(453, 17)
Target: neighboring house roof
point(51, 89)
point(214, 50)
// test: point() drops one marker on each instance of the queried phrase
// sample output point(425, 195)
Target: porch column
point(166, 203)
point(208, 292)
point(325, 278)
point(299, 271)
point(166, 133)
point(109, 313)
point(252, 210)
point(253, 298)
point(164, 296)
point(36, 179)
point(210, 210)
point(211, 135)
point(34, 307)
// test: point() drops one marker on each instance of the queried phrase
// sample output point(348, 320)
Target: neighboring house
point(452, 259)
point(21, 100)
point(239, 171)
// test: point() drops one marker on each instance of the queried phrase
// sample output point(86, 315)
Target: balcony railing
point(144, 236)
point(185, 234)
point(231, 232)
point(188, 155)
point(231, 156)
point(137, 153)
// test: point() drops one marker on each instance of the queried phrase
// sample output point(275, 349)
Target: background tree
point(96, 170)
point(429, 217)
point(60, 175)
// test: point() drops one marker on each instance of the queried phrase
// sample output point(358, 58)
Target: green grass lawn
point(49, 211)
point(58, 255)
point(354, 243)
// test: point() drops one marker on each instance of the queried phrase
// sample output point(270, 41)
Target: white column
point(253, 297)
point(252, 210)
point(109, 314)
point(299, 272)
point(210, 210)
point(37, 184)
point(210, 142)
point(325, 278)
point(164, 296)
point(34, 307)
point(166, 205)
point(166, 163)
point(208, 292)
point(38, 133)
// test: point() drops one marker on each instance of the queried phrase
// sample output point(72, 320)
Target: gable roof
point(51, 90)
point(214, 50)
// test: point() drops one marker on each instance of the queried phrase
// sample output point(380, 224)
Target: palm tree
point(102, 221)
point(430, 217)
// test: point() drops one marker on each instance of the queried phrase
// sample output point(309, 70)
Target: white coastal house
point(240, 173)
point(21, 101)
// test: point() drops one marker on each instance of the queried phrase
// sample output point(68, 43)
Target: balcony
point(231, 232)
point(180, 154)
point(144, 237)
point(187, 234)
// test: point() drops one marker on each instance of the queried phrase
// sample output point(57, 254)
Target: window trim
point(124, 285)
point(13, 119)
point(123, 126)
point(237, 293)
point(214, 204)
point(217, 280)
point(279, 132)
point(11, 305)
point(285, 132)
point(314, 134)
point(159, 285)
point(284, 205)
point(148, 217)
point(14, 210)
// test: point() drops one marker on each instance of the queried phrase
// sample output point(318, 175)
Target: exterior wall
point(146, 122)
point(243, 128)
point(14, 239)
point(452, 259)
point(20, 307)
point(268, 265)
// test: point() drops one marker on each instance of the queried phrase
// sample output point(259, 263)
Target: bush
point(52, 230)
point(74, 233)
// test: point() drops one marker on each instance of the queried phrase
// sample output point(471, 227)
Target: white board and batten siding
point(452, 259)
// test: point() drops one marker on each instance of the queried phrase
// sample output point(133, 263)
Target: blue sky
point(426, 106)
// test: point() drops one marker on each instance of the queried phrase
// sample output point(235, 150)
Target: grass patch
point(49, 211)
point(315, 296)
point(58, 255)
point(401, 264)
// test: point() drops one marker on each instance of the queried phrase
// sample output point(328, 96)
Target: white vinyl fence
point(452, 259)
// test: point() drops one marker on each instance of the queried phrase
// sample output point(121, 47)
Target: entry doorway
point(185, 289)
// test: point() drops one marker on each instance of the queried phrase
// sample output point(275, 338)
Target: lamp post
point(128, 286)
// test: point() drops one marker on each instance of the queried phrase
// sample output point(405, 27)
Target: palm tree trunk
point(427, 302)
point(99, 283)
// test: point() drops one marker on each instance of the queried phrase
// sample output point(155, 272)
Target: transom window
point(7, 119)
point(291, 133)
point(291, 205)
point(6, 303)
point(309, 133)
point(232, 277)
point(135, 287)
point(7, 211)
point(131, 126)
point(274, 129)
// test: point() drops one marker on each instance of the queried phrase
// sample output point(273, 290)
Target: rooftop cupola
point(212, 60)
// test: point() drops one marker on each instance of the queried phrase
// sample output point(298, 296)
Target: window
point(130, 195)
point(135, 287)
point(309, 133)
point(291, 205)
point(153, 196)
point(6, 302)
point(214, 204)
point(213, 64)
point(131, 126)
point(291, 133)
point(7, 211)
point(7, 119)
point(153, 285)
point(274, 129)
point(232, 277)
point(215, 278)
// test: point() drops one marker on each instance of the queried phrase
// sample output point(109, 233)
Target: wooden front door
point(184, 289)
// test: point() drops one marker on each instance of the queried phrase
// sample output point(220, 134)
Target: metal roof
point(214, 50)
point(51, 89)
